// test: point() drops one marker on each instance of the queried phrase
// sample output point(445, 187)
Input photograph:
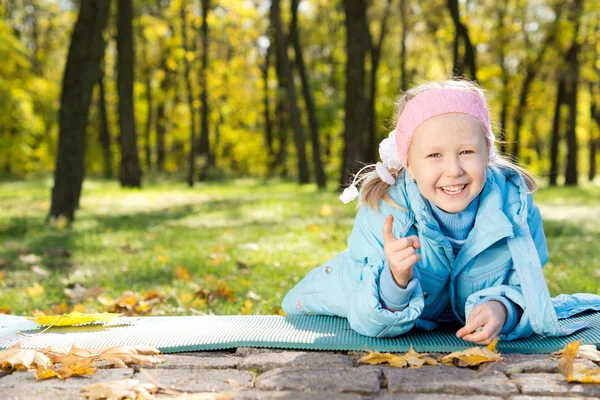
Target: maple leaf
point(121, 356)
point(576, 372)
point(410, 359)
point(121, 389)
point(16, 358)
point(81, 367)
point(474, 356)
point(73, 319)
point(182, 273)
point(588, 351)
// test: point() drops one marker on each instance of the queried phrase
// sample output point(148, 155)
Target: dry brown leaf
point(121, 389)
point(588, 351)
point(473, 357)
point(203, 396)
point(584, 374)
point(411, 359)
point(121, 356)
point(16, 358)
point(576, 372)
point(81, 367)
point(79, 293)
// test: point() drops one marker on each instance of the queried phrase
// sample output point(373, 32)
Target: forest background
point(221, 95)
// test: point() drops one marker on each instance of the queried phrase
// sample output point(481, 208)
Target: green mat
point(178, 334)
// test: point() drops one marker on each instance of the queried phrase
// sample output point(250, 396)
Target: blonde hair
point(374, 189)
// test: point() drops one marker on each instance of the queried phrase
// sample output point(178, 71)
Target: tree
point(190, 95)
point(308, 98)
point(355, 103)
point(130, 174)
point(81, 74)
point(461, 31)
point(105, 136)
point(204, 148)
point(556, 124)
point(299, 140)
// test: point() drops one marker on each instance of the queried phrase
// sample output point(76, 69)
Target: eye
point(434, 155)
point(467, 152)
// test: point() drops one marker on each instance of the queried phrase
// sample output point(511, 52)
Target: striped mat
point(197, 333)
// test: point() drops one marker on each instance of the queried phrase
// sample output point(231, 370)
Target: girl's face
point(448, 158)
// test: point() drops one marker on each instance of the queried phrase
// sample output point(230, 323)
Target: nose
point(453, 167)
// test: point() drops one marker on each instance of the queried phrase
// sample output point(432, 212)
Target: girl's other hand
point(490, 317)
point(400, 253)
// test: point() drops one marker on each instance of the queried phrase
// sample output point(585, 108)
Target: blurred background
point(233, 115)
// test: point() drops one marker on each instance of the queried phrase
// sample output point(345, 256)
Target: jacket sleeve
point(511, 291)
point(349, 285)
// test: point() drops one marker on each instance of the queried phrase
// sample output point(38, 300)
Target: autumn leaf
point(326, 210)
point(73, 319)
point(182, 273)
point(16, 358)
point(121, 356)
point(121, 389)
point(576, 372)
point(473, 356)
point(82, 367)
point(79, 293)
point(247, 307)
point(411, 359)
point(36, 290)
point(588, 351)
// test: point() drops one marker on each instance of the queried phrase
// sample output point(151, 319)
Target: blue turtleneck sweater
point(456, 228)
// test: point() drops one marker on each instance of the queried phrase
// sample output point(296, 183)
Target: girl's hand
point(400, 253)
point(490, 317)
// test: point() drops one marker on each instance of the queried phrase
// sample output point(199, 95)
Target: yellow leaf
point(73, 319)
point(18, 358)
point(473, 356)
point(121, 356)
point(584, 374)
point(565, 365)
point(588, 351)
point(162, 259)
point(182, 273)
point(247, 307)
point(121, 389)
point(411, 359)
point(82, 367)
point(35, 290)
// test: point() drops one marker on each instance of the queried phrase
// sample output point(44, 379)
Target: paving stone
point(360, 380)
point(206, 353)
point(36, 393)
point(192, 362)
point(265, 361)
point(199, 380)
point(527, 363)
point(552, 398)
point(288, 395)
point(446, 380)
point(246, 351)
point(26, 380)
point(430, 396)
point(552, 384)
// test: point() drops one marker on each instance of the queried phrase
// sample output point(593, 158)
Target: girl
point(447, 234)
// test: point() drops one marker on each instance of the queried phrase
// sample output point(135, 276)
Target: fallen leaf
point(121, 356)
point(247, 307)
point(121, 389)
point(30, 258)
point(473, 356)
point(79, 368)
point(36, 269)
point(182, 273)
point(73, 319)
point(58, 252)
point(79, 293)
point(410, 359)
point(588, 351)
point(16, 358)
point(36, 290)
point(584, 374)
point(326, 210)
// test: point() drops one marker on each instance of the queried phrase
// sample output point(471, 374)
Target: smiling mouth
point(456, 189)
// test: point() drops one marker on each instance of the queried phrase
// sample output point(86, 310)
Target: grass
point(226, 248)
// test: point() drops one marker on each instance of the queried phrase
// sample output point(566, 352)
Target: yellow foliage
point(35, 290)
point(473, 356)
point(576, 372)
point(73, 319)
point(121, 389)
point(16, 358)
point(411, 359)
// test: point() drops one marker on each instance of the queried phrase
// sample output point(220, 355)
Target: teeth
point(453, 189)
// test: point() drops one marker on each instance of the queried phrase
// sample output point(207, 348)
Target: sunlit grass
point(254, 238)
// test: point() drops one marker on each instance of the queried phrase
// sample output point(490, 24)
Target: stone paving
point(250, 373)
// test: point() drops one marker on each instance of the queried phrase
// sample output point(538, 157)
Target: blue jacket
point(502, 258)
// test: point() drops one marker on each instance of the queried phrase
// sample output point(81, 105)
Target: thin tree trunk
point(81, 74)
point(299, 140)
point(149, 99)
point(462, 31)
point(161, 118)
point(571, 173)
point(505, 95)
point(308, 98)
point(105, 137)
point(267, 111)
point(555, 139)
point(403, 18)
point(190, 97)
point(130, 174)
point(204, 149)
point(372, 144)
point(593, 141)
point(355, 103)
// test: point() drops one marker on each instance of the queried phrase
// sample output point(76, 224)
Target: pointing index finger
point(388, 235)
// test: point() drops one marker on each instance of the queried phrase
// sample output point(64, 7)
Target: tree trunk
point(81, 73)
point(462, 31)
point(573, 67)
point(161, 118)
point(267, 111)
point(403, 18)
point(204, 148)
point(555, 140)
point(505, 95)
point(531, 70)
point(130, 174)
point(190, 97)
point(105, 137)
point(308, 98)
point(355, 103)
point(372, 143)
point(149, 99)
point(593, 141)
point(299, 140)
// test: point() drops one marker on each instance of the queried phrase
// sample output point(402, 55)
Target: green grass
point(254, 238)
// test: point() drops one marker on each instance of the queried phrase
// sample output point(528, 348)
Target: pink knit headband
point(434, 102)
